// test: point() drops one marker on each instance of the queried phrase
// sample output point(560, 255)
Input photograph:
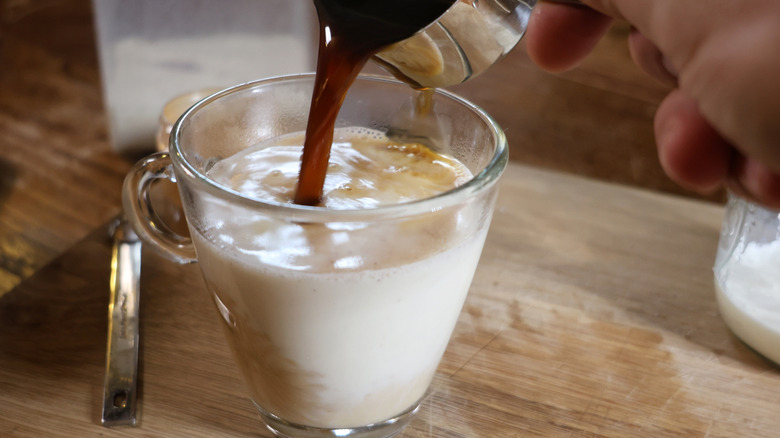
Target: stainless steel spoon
point(120, 385)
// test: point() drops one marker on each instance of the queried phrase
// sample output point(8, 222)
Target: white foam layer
point(365, 170)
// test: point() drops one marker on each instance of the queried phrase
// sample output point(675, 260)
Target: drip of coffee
point(351, 32)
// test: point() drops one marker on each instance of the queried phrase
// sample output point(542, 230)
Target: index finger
point(675, 27)
point(560, 37)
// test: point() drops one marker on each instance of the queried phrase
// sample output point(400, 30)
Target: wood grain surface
point(592, 314)
point(59, 178)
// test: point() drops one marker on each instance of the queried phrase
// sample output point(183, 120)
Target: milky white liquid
point(339, 325)
point(749, 297)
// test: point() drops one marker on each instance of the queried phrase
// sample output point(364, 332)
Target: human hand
point(721, 122)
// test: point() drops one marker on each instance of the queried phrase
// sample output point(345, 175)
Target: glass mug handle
point(140, 212)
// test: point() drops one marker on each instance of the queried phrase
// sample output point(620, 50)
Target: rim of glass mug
point(483, 180)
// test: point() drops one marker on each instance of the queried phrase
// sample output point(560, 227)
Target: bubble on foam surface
point(360, 132)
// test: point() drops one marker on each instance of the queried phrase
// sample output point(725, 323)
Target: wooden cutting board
point(592, 314)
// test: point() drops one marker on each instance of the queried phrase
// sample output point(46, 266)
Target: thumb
point(676, 27)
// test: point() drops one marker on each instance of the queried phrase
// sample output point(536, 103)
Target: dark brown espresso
point(351, 31)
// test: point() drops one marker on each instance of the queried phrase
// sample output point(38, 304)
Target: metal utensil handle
point(119, 389)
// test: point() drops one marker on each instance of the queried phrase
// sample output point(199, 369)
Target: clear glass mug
point(337, 319)
point(747, 275)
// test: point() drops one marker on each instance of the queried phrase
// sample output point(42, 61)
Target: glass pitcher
point(464, 42)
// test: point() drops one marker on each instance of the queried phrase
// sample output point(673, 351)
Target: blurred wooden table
point(593, 313)
point(59, 178)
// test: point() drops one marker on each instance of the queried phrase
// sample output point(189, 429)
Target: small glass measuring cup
point(464, 42)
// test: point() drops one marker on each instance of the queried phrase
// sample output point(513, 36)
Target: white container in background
point(153, 50)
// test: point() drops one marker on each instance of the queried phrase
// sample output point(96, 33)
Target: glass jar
point(175, 108)
point(747, 275)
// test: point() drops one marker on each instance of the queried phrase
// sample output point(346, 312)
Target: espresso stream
point(351, 31)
